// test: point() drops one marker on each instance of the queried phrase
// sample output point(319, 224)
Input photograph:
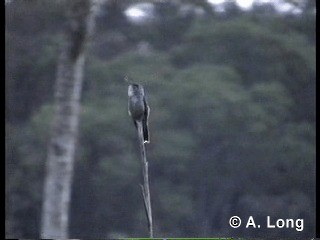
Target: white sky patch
point(245, 4)
point(241, 3)
point(135, 13)
point(284, 6)
point(265, 1)
point(280, 5)
point(140, 13)
point(216, 1)
point(143, 12)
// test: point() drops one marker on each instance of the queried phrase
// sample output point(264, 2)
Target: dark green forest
point(232, 120)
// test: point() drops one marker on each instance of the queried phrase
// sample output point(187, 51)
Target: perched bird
point(138, 108)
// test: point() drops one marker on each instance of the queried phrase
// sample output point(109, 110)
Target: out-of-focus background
point(231, 86)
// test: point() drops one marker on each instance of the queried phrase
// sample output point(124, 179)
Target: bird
point(138, 108)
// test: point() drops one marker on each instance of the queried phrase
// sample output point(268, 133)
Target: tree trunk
point(60, 159)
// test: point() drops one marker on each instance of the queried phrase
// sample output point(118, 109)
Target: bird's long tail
point(145, 132)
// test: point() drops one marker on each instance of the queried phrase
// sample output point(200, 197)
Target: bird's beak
point(126, 79)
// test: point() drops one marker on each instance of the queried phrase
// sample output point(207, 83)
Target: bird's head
point(135, 89)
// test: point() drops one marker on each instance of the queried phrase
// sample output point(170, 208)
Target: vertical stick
point(145, 187)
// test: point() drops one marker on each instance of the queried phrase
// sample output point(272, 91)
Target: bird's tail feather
point(145, 133)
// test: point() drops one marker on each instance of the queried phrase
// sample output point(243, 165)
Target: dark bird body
point(138, 108)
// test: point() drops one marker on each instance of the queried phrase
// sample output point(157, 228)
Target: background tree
point(60, 161)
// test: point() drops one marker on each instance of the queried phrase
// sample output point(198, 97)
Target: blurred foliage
point(232, 121)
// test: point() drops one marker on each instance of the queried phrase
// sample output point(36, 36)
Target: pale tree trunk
point(60, 159)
